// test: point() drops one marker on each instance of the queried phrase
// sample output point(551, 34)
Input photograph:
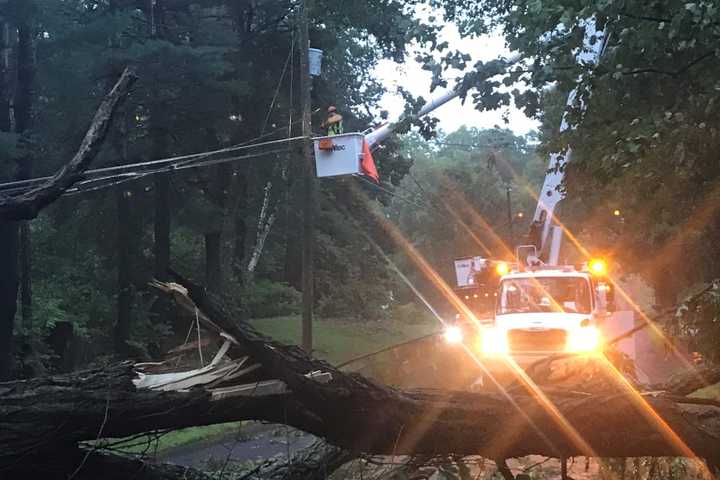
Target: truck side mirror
point(606, 293)
point(611, 300)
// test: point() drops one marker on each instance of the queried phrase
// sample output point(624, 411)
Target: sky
point(453, 114)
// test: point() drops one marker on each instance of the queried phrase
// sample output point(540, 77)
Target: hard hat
point(331, 108)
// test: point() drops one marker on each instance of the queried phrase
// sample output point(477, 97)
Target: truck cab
point(548, 310)
point(541, 310)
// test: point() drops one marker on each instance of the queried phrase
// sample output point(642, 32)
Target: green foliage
point(697, 321)
point(212, 74)
point(264, 298)
point(644, 136)
point(453, 204)
point(70, 286)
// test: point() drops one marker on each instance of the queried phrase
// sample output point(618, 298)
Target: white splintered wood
point(183, 380)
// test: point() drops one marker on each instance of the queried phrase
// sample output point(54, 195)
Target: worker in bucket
point(333, 124)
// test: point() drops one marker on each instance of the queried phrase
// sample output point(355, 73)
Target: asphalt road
point(253, 443)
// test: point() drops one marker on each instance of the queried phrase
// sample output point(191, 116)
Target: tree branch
point(351, 412)
point(671, 73)
point(504, 470)
point(91, 465)
point(647, 18)
point(316, 462)
point(27, 205)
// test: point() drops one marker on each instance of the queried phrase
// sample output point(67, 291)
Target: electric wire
point(387, 349)
point(279, 85)
point(154, 166)
point(429, 204)
point(389, 192)
point(77, 189)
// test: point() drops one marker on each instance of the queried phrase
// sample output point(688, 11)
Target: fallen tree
point(347, 410)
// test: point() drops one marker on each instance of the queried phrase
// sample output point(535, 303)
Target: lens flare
point(453, 334)
point(597, 266)
point(584, 340)
point(502, 268)
point(493, 343)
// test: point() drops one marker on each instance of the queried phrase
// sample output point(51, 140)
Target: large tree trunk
point(159, 134)
point(10, 237)
point(239, 224)
point(213, 262)
point(220, 183)
point(124, 298)
point(8, 294)
point(25, 78)
point(8, 230)
point(25, 261)
point(161, 246)
point(24, 122)
point(78, 464)
point(5, 83)
point(353, 412)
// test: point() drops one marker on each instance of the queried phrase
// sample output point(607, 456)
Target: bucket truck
point(540, 306)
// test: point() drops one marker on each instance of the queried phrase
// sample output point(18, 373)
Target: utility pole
point(509, 210)
point(308, 239)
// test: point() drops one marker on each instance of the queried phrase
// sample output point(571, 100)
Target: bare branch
point(27, 205)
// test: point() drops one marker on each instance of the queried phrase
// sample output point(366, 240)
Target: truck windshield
point(544, 294)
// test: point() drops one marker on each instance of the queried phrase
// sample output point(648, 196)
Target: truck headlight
point(493, 342)
point(584, 340)
point(453, 334)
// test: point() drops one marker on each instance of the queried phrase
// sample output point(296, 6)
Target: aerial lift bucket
point(338, 154)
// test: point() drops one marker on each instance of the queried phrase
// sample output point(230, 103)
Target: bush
point(265, 298)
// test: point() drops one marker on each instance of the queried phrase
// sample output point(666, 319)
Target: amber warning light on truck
point(597, 266)
point(502, 268)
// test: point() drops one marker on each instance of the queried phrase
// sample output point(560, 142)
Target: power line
point(277, 90)
point(429, 203)
point(141, 169)
point(389, 192)
point(114, 180)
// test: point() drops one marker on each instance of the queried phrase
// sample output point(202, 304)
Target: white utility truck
point(546, 309)
point(534, 306)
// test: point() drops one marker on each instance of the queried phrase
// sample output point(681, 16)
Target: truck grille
point(537, 341)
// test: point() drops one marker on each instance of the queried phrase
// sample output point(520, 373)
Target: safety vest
point(335, 128)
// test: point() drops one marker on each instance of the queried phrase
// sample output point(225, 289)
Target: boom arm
point(550, 196)
point(550, 238)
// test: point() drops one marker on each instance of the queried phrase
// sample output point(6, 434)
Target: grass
point(150, 444)
point(340, 340)
point(711, 392)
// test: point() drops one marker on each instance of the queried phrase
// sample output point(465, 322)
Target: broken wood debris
point(347, 410)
